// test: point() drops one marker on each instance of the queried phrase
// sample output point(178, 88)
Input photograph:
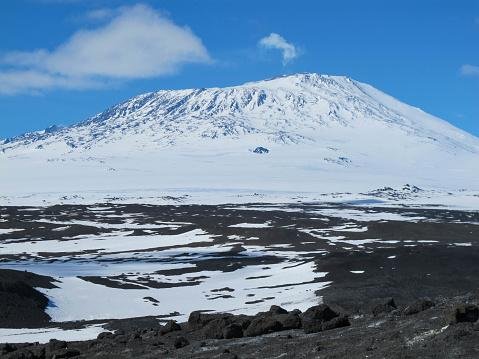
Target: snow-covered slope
point(323, 133)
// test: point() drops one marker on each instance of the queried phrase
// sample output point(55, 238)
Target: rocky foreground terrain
point(369, 282)
point(424, 328)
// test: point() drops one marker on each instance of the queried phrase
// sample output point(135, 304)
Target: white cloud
point(33, 81)
point(137, 42)
point(470, 70)
point(100, 14)
point(275, 41)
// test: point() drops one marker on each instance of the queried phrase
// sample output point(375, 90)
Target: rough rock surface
point(22, 305)
point(400, 333)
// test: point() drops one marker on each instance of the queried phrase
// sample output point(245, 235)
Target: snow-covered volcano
point(312, 133)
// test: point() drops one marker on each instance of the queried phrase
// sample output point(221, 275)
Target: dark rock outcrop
point(466, 313)
point(263, 324)
point(382, 306)
point(22, 305)
point(418, 306)
point(260, 150)
point(170, 326)
point(233, 331)
point(181, 342)
point(322, 317)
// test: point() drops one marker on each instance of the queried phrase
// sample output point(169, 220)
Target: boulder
point(232, 331)
point(322, 317)
point(288, 320)
point(418, 306)
point(215, 328)
point(296, 311)
point(170, 326)
point(181, 342)
point(260, 150)
point(466, 313)
point(320, 312)
point(197, 319)
point(104, 335)
point(384, 305)
point(338, 322)
point(7, 348)
point(32, 352)
point(54, 344)
point(65, 353)
point(263, 325)
point(275, 309)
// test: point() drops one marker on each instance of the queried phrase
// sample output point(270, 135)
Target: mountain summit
point(310, 128)
point(300, 108)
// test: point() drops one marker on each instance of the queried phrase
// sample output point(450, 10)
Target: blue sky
point(64, 60)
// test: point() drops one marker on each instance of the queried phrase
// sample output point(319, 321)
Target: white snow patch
point(251, 225)
point(43, 335)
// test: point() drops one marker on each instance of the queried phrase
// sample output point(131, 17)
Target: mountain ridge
point(270, 105)
point(303, 133)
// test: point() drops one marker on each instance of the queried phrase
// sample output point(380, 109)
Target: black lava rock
point(261, 150)
point(170, 326)
point(54, 344)
point(65, 353)
point(320, 312)
point(7, 348)
point(384, 306)
point(466, 313)
point(233, 331)
point(322, 317)
point(418, 306)
point(105, 336)
point(275, 309)
point(198, 319)
point(338, 322)
point(288, 320)
point(181, 342)
point(263, 325)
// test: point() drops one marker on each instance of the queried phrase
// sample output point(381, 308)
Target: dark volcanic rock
point(30, 352)
point(54, 344)
point(338, 322)
point(418, 306)
point(22, 305)
point(65, 353)
point(170, 326)
point(233, 331)
point(385, 305)
point(288, 320)
point(275, 309)
point(322, 317)
point(7, 348)
point(224, 326)
point(105, 336)
point(466, 313)
point(181, 342)
point(198, 319)
point(319, 312)
point(227, 354)
point(263, 324)
point(400, 336)
point(214, 329)
point(261, 150)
